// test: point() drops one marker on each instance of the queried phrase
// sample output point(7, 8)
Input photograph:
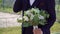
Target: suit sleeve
point(17, 6)
point(51, 11)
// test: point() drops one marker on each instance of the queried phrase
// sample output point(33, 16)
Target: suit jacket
point(48, 5)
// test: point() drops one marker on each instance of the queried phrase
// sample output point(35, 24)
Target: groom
point(48, 5)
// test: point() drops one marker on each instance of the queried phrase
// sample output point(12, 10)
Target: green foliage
point(7, 10)
point(35, 20)
point(0, 1)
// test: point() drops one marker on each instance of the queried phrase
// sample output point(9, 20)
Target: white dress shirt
point(31, 2)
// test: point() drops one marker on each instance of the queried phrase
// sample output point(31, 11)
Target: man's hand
point(37, 31)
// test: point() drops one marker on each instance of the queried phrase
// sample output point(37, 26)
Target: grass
point(56, 27)
point(10, 30)
point(7, 10)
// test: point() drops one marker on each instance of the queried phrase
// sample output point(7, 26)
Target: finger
point(40, 31)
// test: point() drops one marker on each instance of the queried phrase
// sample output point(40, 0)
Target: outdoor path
point(8, 20)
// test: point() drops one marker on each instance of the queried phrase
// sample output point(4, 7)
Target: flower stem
point(35, 27)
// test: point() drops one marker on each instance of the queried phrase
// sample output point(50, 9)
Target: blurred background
point(8, 19)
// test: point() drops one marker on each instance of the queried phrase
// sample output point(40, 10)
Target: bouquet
point(33, 17)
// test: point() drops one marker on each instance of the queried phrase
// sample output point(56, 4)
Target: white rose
point(41, 17)
point(31, 16)
point(27, 12)
point(35, 10)
point(26, 18)
point(19, 18)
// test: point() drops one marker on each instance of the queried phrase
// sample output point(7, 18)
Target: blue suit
point(48, 5)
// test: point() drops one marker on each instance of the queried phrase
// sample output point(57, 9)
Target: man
point(48, 5)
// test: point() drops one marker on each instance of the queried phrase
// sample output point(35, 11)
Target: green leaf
point(36, 20)
point(26, 24)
